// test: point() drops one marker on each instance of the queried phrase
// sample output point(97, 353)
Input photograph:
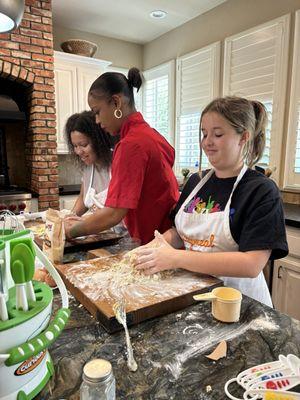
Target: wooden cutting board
point(96, 253)
point(106, 238)
point(93, 283)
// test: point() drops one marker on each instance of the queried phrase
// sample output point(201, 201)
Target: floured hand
point(131, 256)
point(151, 260)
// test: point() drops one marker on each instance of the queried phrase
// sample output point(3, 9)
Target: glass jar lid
point(97, 370)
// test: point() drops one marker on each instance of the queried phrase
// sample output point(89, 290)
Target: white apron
point(210, 232)
point(93, 200)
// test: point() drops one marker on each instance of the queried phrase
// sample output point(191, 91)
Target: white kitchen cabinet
point(66, 100)
point(286, 277)
point(286, 286)
point(73, 78)
point(85, 77)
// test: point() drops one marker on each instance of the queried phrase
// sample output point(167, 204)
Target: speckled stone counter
point(170, 352)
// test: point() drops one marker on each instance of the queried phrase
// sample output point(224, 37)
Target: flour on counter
point(210, 338)
point(265, 323)
point(192, 329)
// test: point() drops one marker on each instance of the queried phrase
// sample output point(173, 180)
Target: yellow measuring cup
point(226, 303)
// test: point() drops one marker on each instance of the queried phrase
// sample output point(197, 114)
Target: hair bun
point(135, 78)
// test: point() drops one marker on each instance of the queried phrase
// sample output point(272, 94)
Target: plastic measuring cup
point(226, 303)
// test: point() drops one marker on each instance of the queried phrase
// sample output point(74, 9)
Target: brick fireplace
point(26, 60)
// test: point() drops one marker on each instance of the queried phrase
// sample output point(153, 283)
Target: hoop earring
point(118, 113)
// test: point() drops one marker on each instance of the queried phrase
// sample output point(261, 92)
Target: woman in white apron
point(230, 220)
point(143, 187)
point(92, 148)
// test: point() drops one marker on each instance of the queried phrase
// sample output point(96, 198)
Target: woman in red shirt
point(143, 188)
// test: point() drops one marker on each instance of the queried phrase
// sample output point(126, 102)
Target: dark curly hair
point(102, 142)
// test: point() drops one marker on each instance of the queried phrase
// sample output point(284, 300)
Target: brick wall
point(26, 57)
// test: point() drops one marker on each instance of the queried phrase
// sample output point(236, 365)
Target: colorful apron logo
point(197, 205)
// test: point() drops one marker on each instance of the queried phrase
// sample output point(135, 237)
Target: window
point(292, 158)
point(255, 66)
point(197, 84)
point(158, 96)
point(138, 96)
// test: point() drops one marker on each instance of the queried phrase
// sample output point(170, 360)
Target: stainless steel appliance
point(15, 200)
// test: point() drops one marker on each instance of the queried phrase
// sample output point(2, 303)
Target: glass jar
point(98, 381)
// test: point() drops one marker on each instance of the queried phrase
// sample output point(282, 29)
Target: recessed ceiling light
point(158, 14)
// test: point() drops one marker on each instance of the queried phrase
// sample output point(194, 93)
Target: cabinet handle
point(279, 272)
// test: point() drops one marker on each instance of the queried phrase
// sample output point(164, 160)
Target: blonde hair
point(243, 115)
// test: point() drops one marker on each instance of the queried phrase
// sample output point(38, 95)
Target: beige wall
point(119, 52)
point(229, 18)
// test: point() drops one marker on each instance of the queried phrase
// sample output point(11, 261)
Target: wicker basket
point(79, 47)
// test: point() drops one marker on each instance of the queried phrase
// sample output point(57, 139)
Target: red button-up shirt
point(142, 179)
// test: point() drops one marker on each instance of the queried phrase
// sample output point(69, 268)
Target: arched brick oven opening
point(27, 78)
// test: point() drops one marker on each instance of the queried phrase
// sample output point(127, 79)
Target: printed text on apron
point(210, 232)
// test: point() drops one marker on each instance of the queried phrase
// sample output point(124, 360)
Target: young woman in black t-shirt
point(230, 220)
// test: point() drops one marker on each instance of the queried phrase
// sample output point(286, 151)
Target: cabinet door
point(85, 77)
point(286, 286)
point(66, 100)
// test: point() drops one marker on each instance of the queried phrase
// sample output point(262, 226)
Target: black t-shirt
point(256, 212)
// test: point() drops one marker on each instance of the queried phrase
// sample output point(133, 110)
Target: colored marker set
point(269, 381)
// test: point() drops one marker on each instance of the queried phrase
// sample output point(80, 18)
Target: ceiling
point(127, 19)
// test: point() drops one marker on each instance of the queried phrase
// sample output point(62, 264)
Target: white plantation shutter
point(296, 165)
point(138, 96)
point(292, 158)
point(197, 84)
point(158, 101)
point(255, 66)
point(138, 99)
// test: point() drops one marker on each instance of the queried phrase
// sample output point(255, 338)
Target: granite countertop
point(69, 189)
point(292, 214)
point(170, 351)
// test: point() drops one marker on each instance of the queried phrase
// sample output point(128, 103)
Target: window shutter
point(255, 66)
point(158, 100)
point(197, 84)
point(297, 152)
point(292, 158)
